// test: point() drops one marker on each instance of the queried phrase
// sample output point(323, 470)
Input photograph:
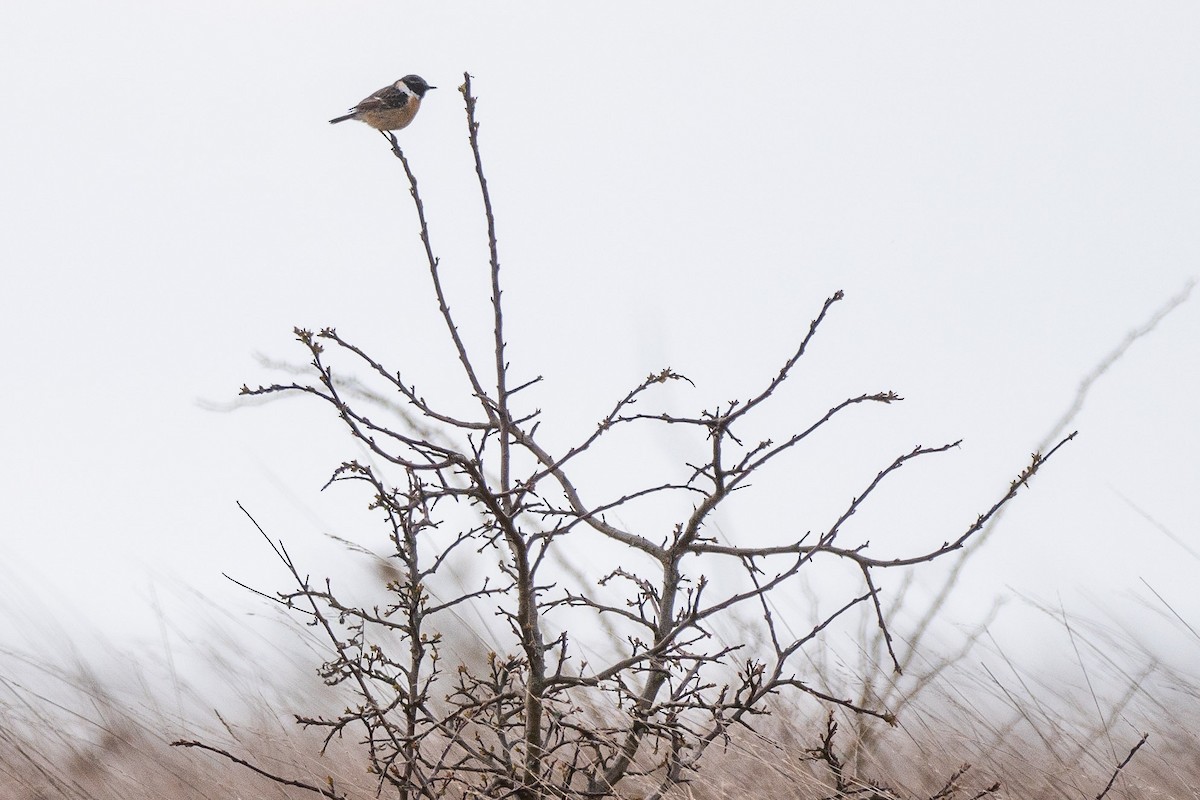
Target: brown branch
point(409, 392)
point(1122, 766)
point(494, 264)
point(786, 369)
point(330, 793)
point(857, 556)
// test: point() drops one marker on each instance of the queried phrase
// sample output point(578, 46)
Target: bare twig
point(1122, 765)
point(330, 792)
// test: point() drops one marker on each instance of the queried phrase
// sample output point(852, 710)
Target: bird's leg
point(391, 137)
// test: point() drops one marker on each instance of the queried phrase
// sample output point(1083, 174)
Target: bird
point(392, 107)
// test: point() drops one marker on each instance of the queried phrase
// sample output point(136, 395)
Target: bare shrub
point(545, 713)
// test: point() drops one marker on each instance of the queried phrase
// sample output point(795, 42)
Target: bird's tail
point(342, 119)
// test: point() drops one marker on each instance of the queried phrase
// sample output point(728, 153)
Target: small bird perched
point(392, 107)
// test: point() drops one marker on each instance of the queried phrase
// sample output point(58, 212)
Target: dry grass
point(100, 727)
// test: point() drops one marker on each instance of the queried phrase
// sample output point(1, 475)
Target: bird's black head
point(416, 84)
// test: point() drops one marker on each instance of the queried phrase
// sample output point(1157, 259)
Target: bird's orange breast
point(392, 119)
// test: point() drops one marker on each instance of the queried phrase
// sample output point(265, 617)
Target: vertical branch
point(405, 529)
point(497, 315)
point(527, 603)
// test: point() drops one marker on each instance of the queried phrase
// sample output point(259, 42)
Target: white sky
point(1003, 191)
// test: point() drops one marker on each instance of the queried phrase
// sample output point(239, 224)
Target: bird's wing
point(390, 97)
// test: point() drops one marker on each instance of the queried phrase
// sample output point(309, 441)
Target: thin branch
point(1122, 766)
point(330, 793)
point(435, 274)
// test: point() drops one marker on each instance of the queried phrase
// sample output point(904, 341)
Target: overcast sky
point(1003, 191)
